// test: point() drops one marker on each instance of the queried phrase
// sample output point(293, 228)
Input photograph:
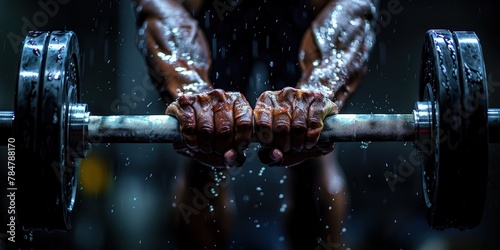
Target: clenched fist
point(216, 126)
point(288, 124)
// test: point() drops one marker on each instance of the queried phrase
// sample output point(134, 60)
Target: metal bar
point(133, 129)
point(368, 127)
point(339, 128)
point(6, 120)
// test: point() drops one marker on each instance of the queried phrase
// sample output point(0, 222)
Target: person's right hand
point(216, 126)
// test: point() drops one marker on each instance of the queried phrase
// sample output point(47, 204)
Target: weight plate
point(442, 152)
point(474, 164)
point(47, 86)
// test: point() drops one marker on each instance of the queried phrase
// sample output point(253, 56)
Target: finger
point(264, 119)
point(243, 119)
point(234, 159)
point(314, 122)
point(204, 122)
point(270, 156)
point(298, 128)
point(230, 156)
point(282, 118)
point(185, 114)
point(223, 120)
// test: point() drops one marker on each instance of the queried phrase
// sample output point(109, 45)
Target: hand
point(288, 124)
point(216, 126)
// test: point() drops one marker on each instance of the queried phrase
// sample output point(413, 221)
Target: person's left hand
point(288, 123)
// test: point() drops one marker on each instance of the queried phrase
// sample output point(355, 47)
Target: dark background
point(124, 203)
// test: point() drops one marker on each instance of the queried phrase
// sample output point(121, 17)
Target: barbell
point(52, 130)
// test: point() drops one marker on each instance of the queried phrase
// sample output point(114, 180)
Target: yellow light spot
point(93, 175)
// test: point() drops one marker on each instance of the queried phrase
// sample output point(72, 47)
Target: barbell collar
point(79, 118)
point(422, 114)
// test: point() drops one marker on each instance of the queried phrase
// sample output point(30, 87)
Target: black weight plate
point(48, 189)
point(474, 166)
point(27, 109)
point(440, 85)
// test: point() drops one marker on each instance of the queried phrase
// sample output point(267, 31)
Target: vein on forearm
point(343, 35)
point(175, 48)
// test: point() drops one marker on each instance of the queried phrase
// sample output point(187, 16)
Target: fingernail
point(276, 155)
point(230, 156)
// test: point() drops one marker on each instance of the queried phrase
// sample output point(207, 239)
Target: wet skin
point(218, 125)
point(288, 122)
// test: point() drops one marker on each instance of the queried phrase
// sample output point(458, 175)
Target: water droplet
point(283, 207)
point(364, 145)
point(262, 171)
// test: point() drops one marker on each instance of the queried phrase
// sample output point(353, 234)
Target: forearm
point(335, 50)
point(175, 49)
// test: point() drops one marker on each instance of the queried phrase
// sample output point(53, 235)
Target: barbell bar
point(52, 127)
point(337, 128)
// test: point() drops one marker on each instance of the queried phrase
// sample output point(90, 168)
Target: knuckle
point(218, 94)
point(281, 128)
point(188, 128)
point(313, 134)
point(224, 130)
point(185, 100)
point(244, 124)
point(206, 130)
point(263, 123)
point(319, 96)
point(315, 123)
point(298, 126)
point(264, 95)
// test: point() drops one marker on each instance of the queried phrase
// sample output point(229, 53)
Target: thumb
point(270, 156)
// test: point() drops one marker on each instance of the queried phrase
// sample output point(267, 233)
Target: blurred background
point(124, 194)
